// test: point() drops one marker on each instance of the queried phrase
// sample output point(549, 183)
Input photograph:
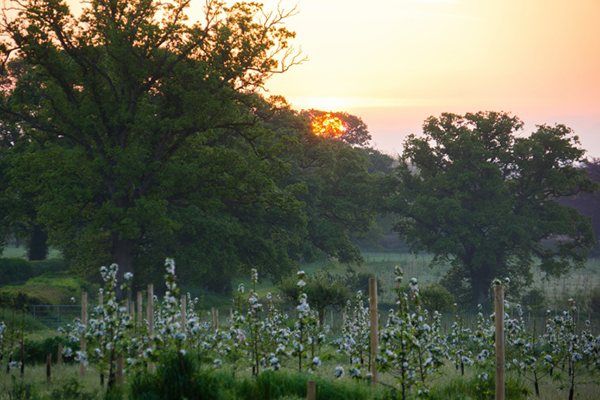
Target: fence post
point(49, 368)
point(84, 304)
point(150, 317)
point(499, 315)
point(374, 326)
point(312, 391)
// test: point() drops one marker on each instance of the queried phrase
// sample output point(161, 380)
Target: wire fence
point(55, 316)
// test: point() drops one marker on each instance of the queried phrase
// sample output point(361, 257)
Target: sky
point(394, 63)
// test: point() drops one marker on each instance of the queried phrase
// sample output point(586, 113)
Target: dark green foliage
point(20, 390)
point(356, 281)
point(51, 265)
point(595, 301)
point(180, 377)
point(435, 297)
point(37, 351)
point(323, 290)
point(534, 297)
point(14, 270)
point(462, 388)
point(49, 288)
point(71, 389)
point(475, 194)
point(176, 377)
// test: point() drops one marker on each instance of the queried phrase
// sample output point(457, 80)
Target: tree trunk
point(122, 255)
point(37, 248)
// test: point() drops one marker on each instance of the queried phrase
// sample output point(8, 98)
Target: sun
point(328, 125)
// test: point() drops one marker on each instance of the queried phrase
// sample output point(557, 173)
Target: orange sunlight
point(328, 125)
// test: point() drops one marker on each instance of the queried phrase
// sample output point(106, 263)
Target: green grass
point(21, 252)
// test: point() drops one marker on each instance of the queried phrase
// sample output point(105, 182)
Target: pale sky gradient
point(396, 62)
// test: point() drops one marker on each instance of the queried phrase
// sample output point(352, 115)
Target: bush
point(435, 297)
point(44, 266)
point(174, 379)
point(14, 270)
point(36, 351)
point(534, 297)
point(50, 288)
point(179, 376)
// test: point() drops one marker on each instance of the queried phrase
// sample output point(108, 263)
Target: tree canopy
point(130, 109)
point(472, 190)
point(143, 134)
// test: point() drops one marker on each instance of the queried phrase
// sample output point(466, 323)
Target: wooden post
point(374, 326)
point(84, 304)
point(60, 355)
point(183, 312)
point(120, 370)
point(212, 314)
point(311, 393)
point(499, 315)
point(150, 318)
point(49, 368)
point(217, 317)
point(139, 309)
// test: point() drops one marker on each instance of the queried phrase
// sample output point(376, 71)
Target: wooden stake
point(311, 393)
point(212, 314)
point(84, 304)
point(49, 368)
point(60, 355)
point(150, 318)
point(374, 326)
point(183, 312)
point(139, 309)
point(499, 315)
point(217, 317)
point(120, 370)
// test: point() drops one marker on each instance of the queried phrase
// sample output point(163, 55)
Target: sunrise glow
point(327, 125)
point(394, 63)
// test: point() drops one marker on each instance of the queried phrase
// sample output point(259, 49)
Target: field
point(295, 341)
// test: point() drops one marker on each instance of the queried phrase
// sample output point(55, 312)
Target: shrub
point(435, 297)
point(49, 288)
point(14, 270)
point(36, 351)
point(534, 297)
point(44, 266)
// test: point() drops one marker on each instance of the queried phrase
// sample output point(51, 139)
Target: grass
point(448, 385)
point(21, 252)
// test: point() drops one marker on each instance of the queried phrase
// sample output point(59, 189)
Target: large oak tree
point(131, 109)
point(472, 190)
